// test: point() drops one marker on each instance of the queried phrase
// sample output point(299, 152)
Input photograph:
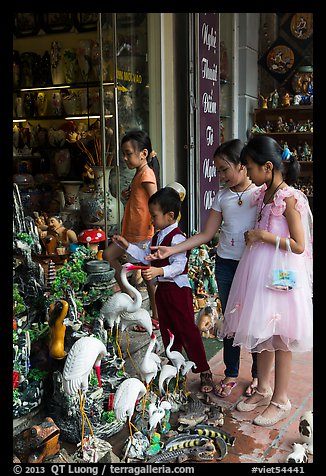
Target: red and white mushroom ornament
point(91, 237)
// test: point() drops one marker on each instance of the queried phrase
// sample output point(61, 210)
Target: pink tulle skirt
point(260, 318)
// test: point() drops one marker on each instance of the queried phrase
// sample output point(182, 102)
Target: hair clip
point(286, 154)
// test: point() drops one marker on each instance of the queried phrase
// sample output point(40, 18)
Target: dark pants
point(176, 312)
point(225, 270)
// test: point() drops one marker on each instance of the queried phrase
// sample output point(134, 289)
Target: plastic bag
point(283, 275)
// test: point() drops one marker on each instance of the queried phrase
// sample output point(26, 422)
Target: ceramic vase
point(62, 162)
point(92, 204)
point(71, 191)
point(57, 69)
point(84, 58)
point(41, 103)
point(56, 103)
point(70, 64)
point(70, 104)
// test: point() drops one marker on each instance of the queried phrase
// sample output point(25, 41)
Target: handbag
point(283, 275)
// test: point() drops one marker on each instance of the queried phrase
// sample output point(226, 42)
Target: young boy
point(173, 295)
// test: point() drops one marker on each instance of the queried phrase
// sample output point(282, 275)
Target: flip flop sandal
point(252, 390)
point(228, 386)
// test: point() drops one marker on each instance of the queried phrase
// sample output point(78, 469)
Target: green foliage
point(26, 238)
point(38, 330)
point(71, 274)
point(15, 395)
point(19, 305)
point(93, 382)
point(109, 417)
point(36, 374)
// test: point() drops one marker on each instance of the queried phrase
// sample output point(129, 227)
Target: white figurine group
point(302, 450)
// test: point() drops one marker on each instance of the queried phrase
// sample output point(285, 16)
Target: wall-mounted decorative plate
point(280, 59)
point(301, 25)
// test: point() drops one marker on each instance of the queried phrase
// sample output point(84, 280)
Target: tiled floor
point(256, 444)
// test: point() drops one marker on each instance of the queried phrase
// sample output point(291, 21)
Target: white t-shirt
point(236, 220)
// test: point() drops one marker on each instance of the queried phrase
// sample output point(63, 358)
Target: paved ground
point(255, 444)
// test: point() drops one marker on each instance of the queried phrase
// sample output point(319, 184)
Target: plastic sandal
point(251, 389)
point(206, 382)
point(228, 386)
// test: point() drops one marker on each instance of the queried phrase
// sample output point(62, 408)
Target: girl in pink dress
point(272, 322)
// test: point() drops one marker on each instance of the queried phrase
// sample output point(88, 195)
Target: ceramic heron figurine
point(86, 353)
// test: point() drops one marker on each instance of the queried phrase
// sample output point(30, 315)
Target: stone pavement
point(256, 444)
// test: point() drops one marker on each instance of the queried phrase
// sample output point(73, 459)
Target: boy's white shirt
point(173, 271)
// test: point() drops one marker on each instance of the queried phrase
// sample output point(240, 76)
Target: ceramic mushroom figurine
point(92, 237)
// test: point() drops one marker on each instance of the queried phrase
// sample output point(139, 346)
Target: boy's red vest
point(160, 263)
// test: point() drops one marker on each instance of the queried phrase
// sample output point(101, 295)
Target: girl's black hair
point(141, 140)
point(168, 199)
point(231, 149)
point(264, 148)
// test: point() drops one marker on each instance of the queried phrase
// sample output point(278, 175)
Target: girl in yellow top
point(137, 225)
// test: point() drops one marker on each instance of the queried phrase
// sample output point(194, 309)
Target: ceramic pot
point(71, 190)
point(92, 204)
point(62, 162)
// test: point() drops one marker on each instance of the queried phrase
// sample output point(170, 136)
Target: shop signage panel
point(208, 109)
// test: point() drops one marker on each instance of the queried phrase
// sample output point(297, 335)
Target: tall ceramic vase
point(71, 193)
point(84, 58)
point(92, 204)
point(57, 68)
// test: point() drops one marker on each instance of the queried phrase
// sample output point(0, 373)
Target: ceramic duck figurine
point(57, 313)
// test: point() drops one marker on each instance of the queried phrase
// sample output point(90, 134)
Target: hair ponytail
point(154, 164)
point(292, 171)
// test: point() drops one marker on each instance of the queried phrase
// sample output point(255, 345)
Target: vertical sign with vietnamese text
point(209, 123)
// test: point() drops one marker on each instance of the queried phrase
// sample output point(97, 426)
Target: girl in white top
point(231, 214)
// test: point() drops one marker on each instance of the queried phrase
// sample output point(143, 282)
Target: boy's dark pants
point(176, 313)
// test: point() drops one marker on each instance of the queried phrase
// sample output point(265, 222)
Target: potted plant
point(61, 250)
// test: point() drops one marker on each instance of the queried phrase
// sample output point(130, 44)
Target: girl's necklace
point(263, 205)
point(240, 202)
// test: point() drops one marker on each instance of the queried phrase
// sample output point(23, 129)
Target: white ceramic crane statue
point(139, 318)
point(156, 413)
point(175, 357)
point(167, 372)
point(185, 369)
point(126, 396)
point(86, 353)
point(118, 303)
point(150, 365)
